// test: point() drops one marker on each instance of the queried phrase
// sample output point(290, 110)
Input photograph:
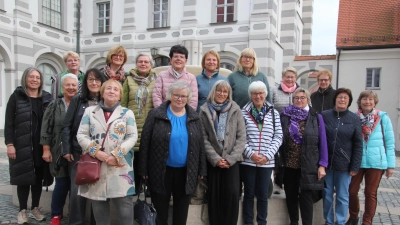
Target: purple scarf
point(296, 115)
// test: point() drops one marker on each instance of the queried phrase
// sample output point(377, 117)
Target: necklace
point(182, 112)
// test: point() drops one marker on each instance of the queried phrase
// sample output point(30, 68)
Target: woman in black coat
point(23, 121)
point(71, 150)
point(172, 154)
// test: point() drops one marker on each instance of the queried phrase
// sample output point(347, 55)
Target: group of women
point(229, 130)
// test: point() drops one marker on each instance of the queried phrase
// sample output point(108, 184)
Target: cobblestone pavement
point(387, 213)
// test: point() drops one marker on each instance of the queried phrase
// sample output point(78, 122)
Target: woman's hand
point(111, 160)
point(256, 157)
point(11, 153)
point(69, 157)
point(389, 172)
point(145, 177)
point(222, 163)
point(353, 173)
point(200, 177)
point(47, 154)
point(321, 172)
point(102, 156)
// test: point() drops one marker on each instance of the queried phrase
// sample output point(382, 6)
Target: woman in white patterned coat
point(116, 174)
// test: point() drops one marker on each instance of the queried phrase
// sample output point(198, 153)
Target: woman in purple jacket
point(305, 156)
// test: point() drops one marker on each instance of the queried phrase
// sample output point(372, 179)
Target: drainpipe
point(78, 28)
point(337, 69)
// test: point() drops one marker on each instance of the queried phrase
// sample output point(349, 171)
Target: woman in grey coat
point(224, 138)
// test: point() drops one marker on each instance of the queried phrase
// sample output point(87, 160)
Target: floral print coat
point(115, 181)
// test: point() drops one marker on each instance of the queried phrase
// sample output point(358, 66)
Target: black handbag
point(143, 212)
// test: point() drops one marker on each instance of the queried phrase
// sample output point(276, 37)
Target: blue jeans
point(60, 193)
point(339, 181)
point(256, 183)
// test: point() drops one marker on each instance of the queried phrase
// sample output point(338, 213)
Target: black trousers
point(296, 197)
point(175, 182)
point(223, 194)
point(36, 190)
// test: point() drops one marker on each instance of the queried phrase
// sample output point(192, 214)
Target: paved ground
point(388, 209)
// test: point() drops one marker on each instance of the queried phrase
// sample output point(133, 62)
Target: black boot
point(352, 221)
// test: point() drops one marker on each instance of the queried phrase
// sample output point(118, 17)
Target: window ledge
point(373, 88)
point(223, 23)
point(100, 34)
point(53, 28)
point(159, 28)
point(2, 11)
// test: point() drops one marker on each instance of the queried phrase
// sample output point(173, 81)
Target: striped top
point(264, 141)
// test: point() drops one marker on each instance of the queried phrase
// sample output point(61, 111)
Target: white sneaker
point(36, 214)
point(23, 217)
point(277, 189)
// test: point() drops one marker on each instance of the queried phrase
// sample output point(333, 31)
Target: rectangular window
point(160, 13)
point(225, 10)
point(51, 10)
point(373, 78)
point(103, 19)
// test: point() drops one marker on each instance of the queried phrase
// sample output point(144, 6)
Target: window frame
point(63, 13)
point(214, 12)
point(151, 14)
point(96, 4)
point(103, 20)
point(373, 78)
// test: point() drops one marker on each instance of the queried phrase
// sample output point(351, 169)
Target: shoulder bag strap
point(102, 144)
point(383, 136)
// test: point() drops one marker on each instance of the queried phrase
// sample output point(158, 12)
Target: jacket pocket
point(345, 154)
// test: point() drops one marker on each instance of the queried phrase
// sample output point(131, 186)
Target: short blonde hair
point(70, 54)
point(210, 52)
point(247, 52)
point(290, 69)
point(367, 93)
point(108, 82)
point(114, 51)
point(324, 72)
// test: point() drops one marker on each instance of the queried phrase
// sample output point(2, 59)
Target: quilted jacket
point(281, 99)
point(165, 79)
point(154, 146)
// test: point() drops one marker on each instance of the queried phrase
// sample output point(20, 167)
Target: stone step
point(198, 214)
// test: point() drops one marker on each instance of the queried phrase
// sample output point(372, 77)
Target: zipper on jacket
point(323, 100)
point(259, 131)
point(334, 146)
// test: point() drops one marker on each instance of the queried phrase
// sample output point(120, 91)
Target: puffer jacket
point(234, 138)
point(129, 101)
point(323, 100)
point(154, 148)
point(374, 154)
point(18, 131)
point(281, 99)
point(343, 132)
point(52, 137)
point(166, 78)
point(71, 124)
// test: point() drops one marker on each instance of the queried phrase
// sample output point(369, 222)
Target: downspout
point(78, 28)
point(337, 69)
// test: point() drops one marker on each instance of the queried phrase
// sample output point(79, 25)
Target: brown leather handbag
point(88, 168)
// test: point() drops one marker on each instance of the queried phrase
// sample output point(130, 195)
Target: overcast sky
point(324, 27)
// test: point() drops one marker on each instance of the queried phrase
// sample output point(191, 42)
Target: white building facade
point(39, 32)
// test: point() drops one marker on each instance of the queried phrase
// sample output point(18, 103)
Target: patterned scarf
point(296, 115)
point(258, 115)
point(288, 89)
point(208, 74)
point(368, 123)
point(142, 93)
point(176, 73)
point(220, 122)
point(119, 75)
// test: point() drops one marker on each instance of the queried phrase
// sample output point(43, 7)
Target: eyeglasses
point(343, 97)
point(34, 77)
point(118, 56)
point(248, 57)
point(179, 57)
point(302, 98)
point(323, 80)
point(222, 92)
point(91, 80)
point(142, 61)
point(257, 93)
point(72, 60)
point(176, 96)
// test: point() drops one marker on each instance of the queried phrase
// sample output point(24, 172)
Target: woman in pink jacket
point(178, 57)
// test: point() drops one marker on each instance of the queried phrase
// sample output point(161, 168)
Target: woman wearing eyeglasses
point(246, 71)
point(137, 96)
point(305, 156)
point(172, 155)
point(343, 132)
point(114, 68)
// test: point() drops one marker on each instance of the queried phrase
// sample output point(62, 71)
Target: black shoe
point(352, 221)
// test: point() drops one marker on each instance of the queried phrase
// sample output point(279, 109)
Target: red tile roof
point(314, 57)
point(368, 23)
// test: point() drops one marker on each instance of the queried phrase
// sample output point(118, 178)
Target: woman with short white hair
point(264, 137)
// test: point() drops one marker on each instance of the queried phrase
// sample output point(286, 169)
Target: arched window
point(161, 60)
point(227, 66)
point(47, 71)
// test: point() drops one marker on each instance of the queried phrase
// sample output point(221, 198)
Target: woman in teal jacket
point(378, 156)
